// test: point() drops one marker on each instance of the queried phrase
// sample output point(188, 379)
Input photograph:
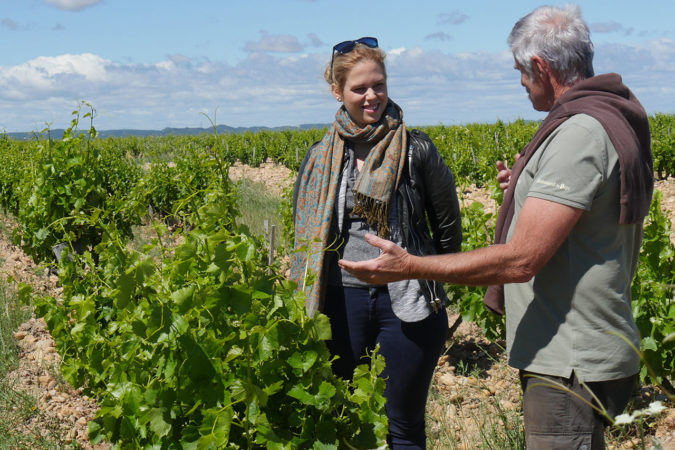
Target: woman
point(370, 175)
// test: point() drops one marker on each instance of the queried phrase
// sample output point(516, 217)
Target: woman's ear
point(337, 94)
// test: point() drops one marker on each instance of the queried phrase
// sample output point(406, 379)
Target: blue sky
point(152, 64)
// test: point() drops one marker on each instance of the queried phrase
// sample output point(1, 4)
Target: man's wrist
point(411, 267)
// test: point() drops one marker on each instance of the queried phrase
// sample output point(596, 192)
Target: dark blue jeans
point(362, 318)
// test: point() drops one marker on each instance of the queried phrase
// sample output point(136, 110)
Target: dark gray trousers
point(558, 414)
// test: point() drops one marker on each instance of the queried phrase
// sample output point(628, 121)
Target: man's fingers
point(357, 268)
point(376, 241)
point(390, 266)
point(384, 245)
point(348, 265)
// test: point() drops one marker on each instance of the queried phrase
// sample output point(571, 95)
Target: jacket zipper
point(434, 301)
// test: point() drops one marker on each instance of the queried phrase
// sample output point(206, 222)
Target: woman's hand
point(393, 264)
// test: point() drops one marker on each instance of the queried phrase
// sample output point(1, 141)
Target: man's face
point(538, 90)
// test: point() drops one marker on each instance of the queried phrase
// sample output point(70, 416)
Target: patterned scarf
point(318, 185)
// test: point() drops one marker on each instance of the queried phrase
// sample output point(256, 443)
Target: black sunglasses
point(348, 46)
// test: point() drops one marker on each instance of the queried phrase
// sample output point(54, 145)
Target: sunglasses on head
point(348, 46)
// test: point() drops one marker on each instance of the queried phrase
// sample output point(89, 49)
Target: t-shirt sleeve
point(573, 165)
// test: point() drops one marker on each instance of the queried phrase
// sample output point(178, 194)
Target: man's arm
point(541, 229)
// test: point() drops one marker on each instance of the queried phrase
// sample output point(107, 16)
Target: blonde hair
point(344, 62)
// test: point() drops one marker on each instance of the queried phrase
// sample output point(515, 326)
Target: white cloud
point(440, 36)
point(648, 70)
point(177, 58)
point(396, 51)
point(278, 43)
point(453, 18)
point(664, 54)
point(610, 27)
point(315, 40)
point(42, 70)
point(272, 90)
point(73, 5)
point(169, 93)
point(9, 24)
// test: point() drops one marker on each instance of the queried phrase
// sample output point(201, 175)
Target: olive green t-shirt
point(572, 314)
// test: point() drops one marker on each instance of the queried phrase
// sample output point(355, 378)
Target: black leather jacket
point(426, 193)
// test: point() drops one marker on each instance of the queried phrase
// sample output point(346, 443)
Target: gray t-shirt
point(408, 299)
point(576, 312)
point(352, 244)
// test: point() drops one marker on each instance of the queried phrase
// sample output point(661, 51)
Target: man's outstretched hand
point(393, 264)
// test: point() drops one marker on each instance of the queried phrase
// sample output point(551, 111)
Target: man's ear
point(540, 67)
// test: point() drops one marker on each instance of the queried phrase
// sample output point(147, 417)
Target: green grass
point(12, 314)
point(256, 205)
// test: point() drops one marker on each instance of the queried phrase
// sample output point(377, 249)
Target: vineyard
point(195, 338)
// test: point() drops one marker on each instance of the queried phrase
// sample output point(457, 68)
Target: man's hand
point(504, 174)
point(393, 264)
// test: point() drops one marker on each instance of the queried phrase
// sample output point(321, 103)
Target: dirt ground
point(58, 405)
point(278, 178)
point(69, 409)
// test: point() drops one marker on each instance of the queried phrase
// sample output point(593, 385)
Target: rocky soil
point(470, 377)
point(58, 406)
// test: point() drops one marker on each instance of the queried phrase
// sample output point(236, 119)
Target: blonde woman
point(369, 174)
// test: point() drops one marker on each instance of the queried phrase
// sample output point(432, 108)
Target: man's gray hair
point(559, 36)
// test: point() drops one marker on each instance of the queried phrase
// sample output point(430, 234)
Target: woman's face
point(365, 92)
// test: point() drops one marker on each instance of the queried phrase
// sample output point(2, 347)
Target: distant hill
point(221, 129)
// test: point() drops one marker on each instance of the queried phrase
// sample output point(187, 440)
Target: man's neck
point(559, 89)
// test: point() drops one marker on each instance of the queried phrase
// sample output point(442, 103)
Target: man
point(567, 239)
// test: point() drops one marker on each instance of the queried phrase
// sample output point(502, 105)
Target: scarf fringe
point(374, 211)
